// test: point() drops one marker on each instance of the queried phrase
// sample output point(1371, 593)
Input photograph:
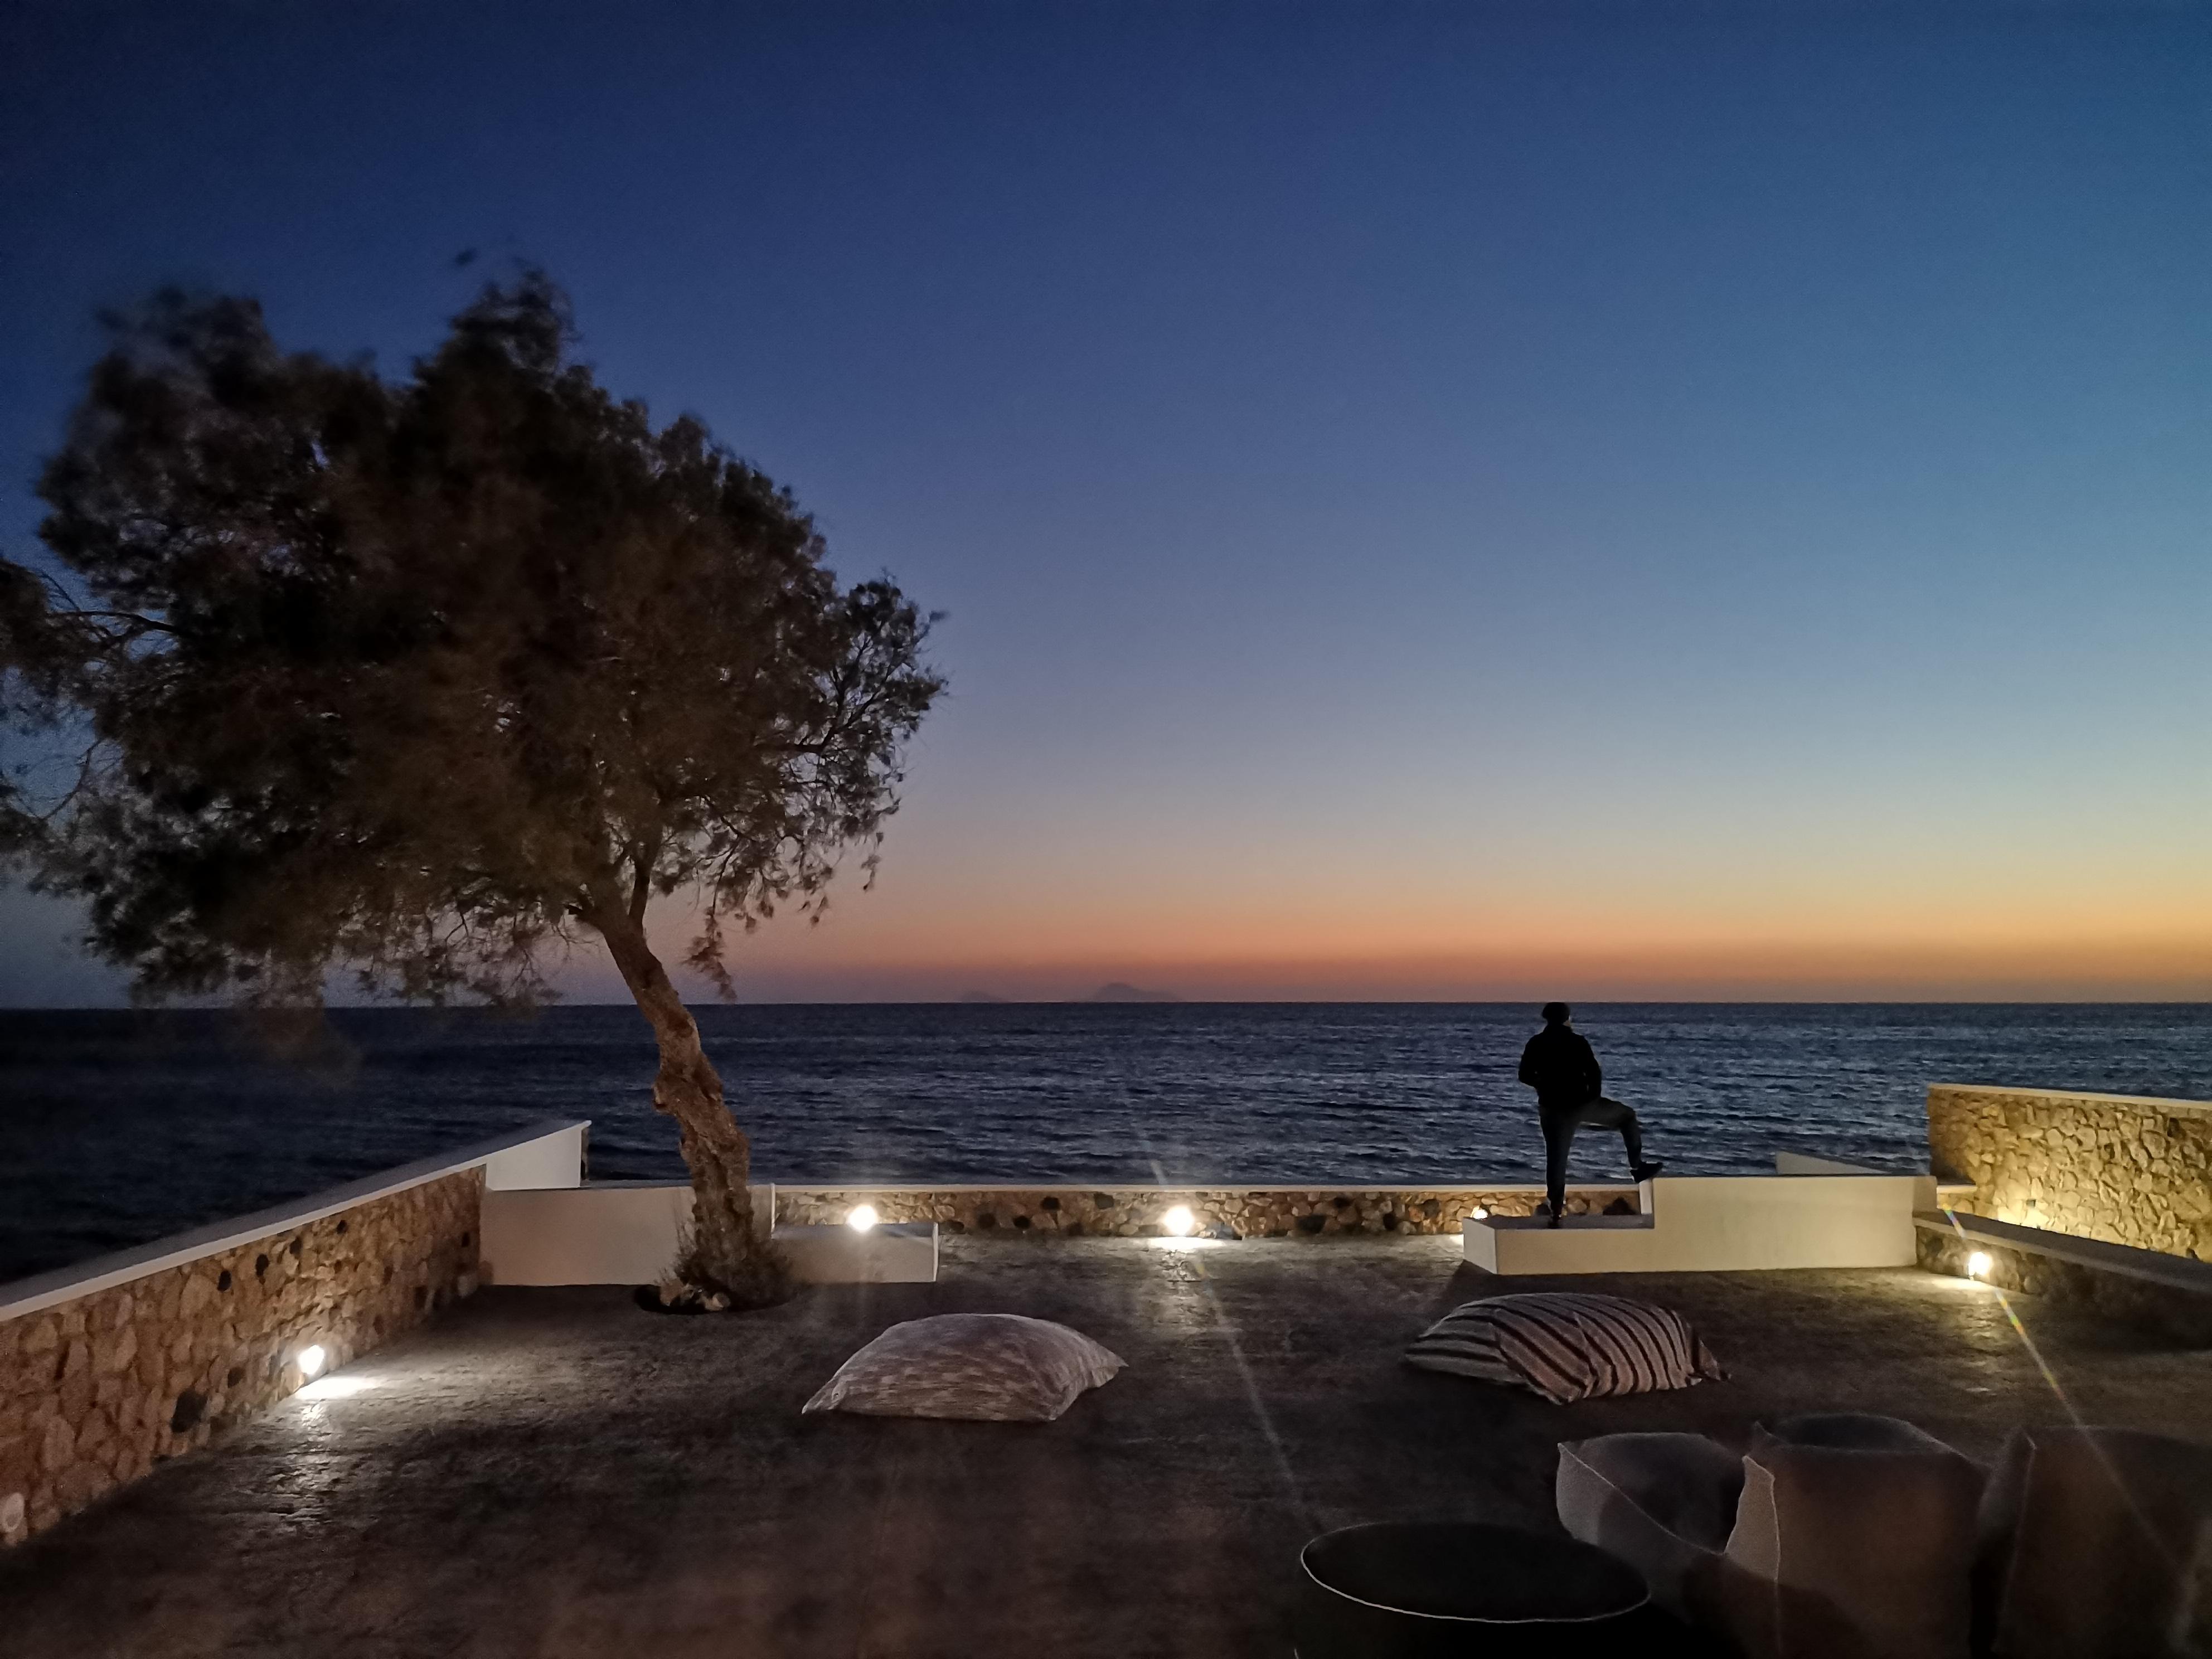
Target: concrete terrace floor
point(559, 1473)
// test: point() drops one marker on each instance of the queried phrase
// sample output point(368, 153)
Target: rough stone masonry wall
point(2175, 1314)
point(1135, 1212)
point(2125, 1171)
point(95, 1391)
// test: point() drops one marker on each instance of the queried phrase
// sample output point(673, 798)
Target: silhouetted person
point(1560, 1065)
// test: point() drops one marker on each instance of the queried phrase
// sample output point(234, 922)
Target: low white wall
point(551, 1151)
point(1928, 1193)
point(609, 1232)
point(551, 1159)
point(1793, 1221)
point(1719, 1224)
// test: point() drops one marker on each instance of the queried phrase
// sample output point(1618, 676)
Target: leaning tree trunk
point(726, 1253)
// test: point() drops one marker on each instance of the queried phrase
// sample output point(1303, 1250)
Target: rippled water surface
point(118, 1127)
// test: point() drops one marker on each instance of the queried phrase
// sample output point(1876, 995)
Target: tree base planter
point(896, 1253)
point(1411, 1590)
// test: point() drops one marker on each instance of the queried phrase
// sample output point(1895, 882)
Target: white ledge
point(44, 1291)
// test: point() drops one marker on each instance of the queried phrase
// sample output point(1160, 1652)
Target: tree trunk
point(726, 1255)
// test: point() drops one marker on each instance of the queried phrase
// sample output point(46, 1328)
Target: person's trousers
point(1561, 1124)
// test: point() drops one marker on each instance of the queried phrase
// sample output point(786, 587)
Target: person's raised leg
point(1608, 1114)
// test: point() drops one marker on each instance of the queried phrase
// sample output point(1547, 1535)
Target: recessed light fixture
point(1179, 1221)
point(862, 1218)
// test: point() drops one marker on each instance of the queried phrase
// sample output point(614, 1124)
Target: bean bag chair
point(1566, 1345)
point(1663, 1503)
point(2097, 1544)
point(1002, 1368)
point(1853, 1552)
point(1836, 1537)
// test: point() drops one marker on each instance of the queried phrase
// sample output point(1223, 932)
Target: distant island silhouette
point(1121, 991)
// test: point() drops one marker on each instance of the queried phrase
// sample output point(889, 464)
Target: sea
point(118, 1127)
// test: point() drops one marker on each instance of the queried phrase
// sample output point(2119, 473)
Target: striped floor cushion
point(1567, 1345)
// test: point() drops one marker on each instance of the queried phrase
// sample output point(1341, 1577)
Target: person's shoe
point(1649, 1168)
point(1550, 1217)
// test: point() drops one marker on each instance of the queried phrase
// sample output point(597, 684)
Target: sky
point(1663, 501)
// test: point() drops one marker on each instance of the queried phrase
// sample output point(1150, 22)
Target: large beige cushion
point(986, 1367)
point(2098, 1545)
point(1837, 1537)
point(1840, 1554)
point(1663, 1503)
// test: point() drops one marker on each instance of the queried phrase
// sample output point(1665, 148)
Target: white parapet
point(551, 1151)
point(553, 1159)
point(609, 1232)
point(1716, 1224)
point(891, 1253)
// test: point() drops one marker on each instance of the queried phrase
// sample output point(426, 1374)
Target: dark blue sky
point(1430, 499)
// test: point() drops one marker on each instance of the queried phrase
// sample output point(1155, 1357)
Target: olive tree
point(418, 680)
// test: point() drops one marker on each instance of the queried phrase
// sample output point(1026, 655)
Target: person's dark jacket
point(1558, 1065)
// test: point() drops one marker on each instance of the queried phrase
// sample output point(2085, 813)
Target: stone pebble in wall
point(95, 1391)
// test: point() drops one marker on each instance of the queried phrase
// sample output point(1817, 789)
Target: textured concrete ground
point(558, 1473)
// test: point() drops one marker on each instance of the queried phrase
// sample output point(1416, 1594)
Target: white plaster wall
point(43, 1290)
point(1718, 1224)
point(608, 1232)
point(550, 1160)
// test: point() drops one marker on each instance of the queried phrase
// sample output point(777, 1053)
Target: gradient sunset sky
point(1432, 501)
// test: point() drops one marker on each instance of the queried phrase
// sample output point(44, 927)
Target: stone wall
point(2120, 1168)
point(1135, 1212)
point(96, 1390)
point(2171, 1314)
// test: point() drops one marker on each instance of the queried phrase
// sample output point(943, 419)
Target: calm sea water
point(118, 1127)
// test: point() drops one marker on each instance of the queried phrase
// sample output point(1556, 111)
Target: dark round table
point(1425, 1589)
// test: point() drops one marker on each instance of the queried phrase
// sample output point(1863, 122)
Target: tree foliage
point(423, 679)
point(418, 677)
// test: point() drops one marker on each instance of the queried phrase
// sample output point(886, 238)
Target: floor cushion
point(1663, 1503)
point(1566, 1345)
point(982, 1367)
point(2097, 1543)
point(1842, 1553)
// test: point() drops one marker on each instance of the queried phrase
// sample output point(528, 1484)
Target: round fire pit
point(1418, 1590)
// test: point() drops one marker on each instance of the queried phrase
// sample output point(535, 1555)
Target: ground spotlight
point(1978, 1265)
point(311, 1360)
point(1179, 1221)
point(863, 1216)
point(337, 1388)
